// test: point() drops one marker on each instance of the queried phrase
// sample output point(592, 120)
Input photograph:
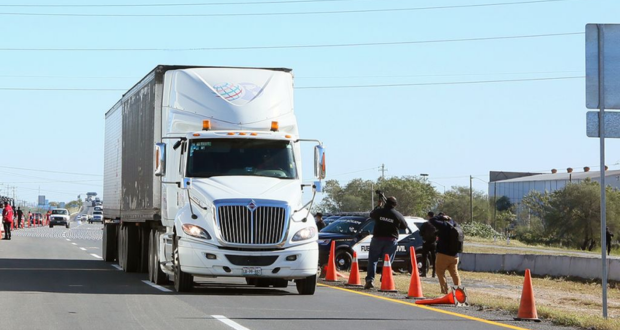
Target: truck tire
point(156, 275)
point(131, 249)
point(183, 282)
point(109, 243)
point(307, 286)
point(144, 237)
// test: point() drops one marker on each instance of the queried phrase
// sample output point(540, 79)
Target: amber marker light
point(274, 126)
point(196, 134)
point(287, 136)
point(242, 133)
point(253, 134)
point(231, 133)
point(206, 125)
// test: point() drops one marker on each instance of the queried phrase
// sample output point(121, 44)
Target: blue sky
point(434, 124)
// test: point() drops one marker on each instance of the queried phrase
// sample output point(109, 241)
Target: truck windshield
point(248, 157)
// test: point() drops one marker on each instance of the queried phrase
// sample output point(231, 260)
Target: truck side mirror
point(319, 162)
point(160, 159)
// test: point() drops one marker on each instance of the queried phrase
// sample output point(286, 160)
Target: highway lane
point(53, 278)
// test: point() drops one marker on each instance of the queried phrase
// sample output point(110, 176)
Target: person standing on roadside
point(20, 216)
point(320, 224)
point(7, 220)
point(429, 247)
point(608, 236)
point(449, 245)
point(384, 236)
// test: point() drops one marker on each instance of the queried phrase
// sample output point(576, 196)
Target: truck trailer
point(203, 177)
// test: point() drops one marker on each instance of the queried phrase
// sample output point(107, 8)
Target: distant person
point(384, 236)
point(608, 236)
point(449, 245)
point(20, 216)
point(7, 220)
point(429, 248)
point(320, 224)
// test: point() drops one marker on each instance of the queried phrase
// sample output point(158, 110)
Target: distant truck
point(202, 177)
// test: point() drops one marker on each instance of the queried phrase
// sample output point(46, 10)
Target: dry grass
point(563, 301)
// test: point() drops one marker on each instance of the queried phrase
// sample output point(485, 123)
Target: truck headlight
point(304, 234)
point(195, 231)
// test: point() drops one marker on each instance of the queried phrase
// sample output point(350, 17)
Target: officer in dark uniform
point(320, 224)
point(384, 236)
point(429, 248)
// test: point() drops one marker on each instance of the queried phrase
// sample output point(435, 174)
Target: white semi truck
point(203, 177)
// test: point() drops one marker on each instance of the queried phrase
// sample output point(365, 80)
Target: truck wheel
point(279, 283)
point(132, 249)
point(183, 282)
point(344, 259)
point(109, 243)
point(307, 286)
point(156, 275)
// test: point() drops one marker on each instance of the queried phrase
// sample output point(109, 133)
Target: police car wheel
point(344, 259)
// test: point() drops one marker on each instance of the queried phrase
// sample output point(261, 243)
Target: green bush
point(479, 229)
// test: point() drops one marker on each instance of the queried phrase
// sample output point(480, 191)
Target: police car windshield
point(343, 226)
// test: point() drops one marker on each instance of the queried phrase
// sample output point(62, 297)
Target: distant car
point(83, 217)
point(97, 217)
point(98, 208)
point(59, 217)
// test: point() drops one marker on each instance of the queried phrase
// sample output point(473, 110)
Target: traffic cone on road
point(415, 287)
point(527, 307)
point(387, 281)
point(456, 297)
point(354, 277)
point(331, 274)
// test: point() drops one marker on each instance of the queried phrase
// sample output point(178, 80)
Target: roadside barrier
point(527, 307)
point(415, 287)
point(457, 297)
point(354, 277)
point(387, 280)
point(331, 274)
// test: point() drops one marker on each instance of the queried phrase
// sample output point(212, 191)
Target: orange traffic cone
point(354, 277)
point(415, 287)
point(527, 307)
point(331, 274)
point(387, 281)
point(456, 297)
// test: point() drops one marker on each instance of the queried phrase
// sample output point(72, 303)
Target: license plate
point(252, 271)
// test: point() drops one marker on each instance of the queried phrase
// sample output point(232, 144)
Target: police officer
point(384, 236)
point(445, 260)
point(429, 248)
point(320, 224)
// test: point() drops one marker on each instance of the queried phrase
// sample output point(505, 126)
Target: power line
point(392, 43)
point(359, 11)
point(48, 171)
point(321, 87)
point(170, 4)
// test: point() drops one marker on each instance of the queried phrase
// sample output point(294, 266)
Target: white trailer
point(202, 176)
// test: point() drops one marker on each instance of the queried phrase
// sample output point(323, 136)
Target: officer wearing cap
point(384, 236)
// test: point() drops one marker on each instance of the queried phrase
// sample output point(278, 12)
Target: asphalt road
point(54, 278)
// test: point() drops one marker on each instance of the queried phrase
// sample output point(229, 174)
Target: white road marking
point(68, 240)
point(117, 267)
point(83, 249)
point(158, 287)
point(229, 322)
point(74, 243)
point(96, 256)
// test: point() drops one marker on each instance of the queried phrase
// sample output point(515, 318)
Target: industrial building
point(516, 185)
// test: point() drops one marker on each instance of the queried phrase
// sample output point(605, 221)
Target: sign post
point(603, 92)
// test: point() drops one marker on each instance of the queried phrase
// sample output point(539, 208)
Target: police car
point(353, 233)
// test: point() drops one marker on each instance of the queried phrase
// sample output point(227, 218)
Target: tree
point(456, 203)
point(503, 204)
point(415, 196)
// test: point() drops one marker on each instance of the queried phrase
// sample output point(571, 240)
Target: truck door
point(171, 198)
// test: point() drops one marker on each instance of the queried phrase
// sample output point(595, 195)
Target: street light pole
point(471, 200)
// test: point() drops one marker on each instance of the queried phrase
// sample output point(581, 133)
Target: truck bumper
point(231, 263)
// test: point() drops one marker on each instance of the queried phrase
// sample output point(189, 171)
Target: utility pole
point(383, 170)
point(494, 205)
point(471, 200)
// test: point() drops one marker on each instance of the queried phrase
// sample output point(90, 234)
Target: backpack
point(455, 239)
point(428, 232)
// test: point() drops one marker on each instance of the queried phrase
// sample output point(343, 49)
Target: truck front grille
point(240, 224)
